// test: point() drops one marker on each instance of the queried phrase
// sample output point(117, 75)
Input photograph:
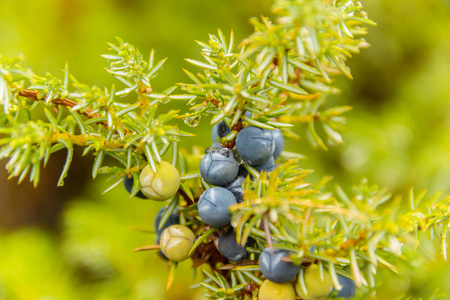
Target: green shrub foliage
point(279, 77)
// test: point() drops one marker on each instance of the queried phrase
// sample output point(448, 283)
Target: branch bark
point(33, 95)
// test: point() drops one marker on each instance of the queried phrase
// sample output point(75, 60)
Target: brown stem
point(248, 290)
point(236, 127)
point(207, 253)
point(240, 264)
point(186, 197)
point(33, 95)
point(214, 101)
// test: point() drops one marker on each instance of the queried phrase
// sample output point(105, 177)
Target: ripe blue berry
point(274, 268)
point(268, 166)
point(174, 219)
point(215, 134)
point(223, 129)
point(218, 167)
point(279, 142)
point(235, 187)
point(128, 182)
point(213, 206)
point(255, 145)
point(348, 290)
point(242, 171)
point(229, 247)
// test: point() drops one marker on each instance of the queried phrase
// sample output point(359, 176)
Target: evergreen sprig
point(90, 117)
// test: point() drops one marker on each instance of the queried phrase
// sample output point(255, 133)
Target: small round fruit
point(274, 268)
point(129, 182)
point(229, 247)
point(218, 167)
point(268, 166)
point(173, 219)
point(223, 129)
point(176, 242)
point(213, 206)
point(161, 185)
point(348, 290)
point(317, 289)
point(215, 134)
point(279, 142)
point(160, 254)
point(276, 291)
point(235, 187)
point(255, 145)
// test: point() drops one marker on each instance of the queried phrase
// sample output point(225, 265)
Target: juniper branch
point(33, 95)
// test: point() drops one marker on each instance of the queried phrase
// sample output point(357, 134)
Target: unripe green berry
point(161, 185)
point(176, 241)
point(276, 291)
point(317, 288)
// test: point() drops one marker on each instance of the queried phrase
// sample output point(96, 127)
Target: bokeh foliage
point(396, 135)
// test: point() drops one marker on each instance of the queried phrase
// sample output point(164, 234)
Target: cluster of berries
point(176, 240)
point(223, 169)
point(281, 273)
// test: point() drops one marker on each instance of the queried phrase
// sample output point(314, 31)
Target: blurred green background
point(74, 243)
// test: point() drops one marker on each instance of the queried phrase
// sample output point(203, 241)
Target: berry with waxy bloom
point(235, 187)
point(255, 145)
point(275, 268)
point(218, 166)
point(279, 142)
point(229, 247)
point(213, 206)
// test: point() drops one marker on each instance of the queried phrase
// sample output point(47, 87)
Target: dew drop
point(192, 121)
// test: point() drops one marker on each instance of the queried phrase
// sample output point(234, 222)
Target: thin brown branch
point(33, 95)
point(239, 264)
point(248, 289)
point(236, 127)
point(186, 197)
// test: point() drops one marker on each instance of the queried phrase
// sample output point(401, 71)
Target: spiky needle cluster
point(282, 74)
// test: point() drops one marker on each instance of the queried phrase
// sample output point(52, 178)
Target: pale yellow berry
point(317, 288)
point(161, 185)
point(276, 291)
point(176, 241)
